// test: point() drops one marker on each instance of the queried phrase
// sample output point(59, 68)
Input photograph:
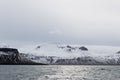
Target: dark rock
point(118, 52)
point(61, 47)
point(69, 50)
point(83, 48)
point(68, 46)
point(9, 50)
point(38, 47)
point(78, 61)
point(10, 56)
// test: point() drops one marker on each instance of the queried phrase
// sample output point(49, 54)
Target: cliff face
point(9, 56)
point(12, 56)
point(9, 50)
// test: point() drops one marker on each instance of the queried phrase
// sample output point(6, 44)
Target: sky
point(92, 22)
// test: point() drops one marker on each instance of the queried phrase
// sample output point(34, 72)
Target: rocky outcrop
point(87, 60)
point(38, 47)
point(83, 48)
point(9, 50)
point(78, 61)
point(69, 48)
point(9, 56)
point(12, 56)
point(118, 52)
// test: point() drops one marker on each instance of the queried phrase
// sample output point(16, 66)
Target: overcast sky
point(93, 22)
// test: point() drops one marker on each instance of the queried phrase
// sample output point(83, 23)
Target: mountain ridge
point(53, 54)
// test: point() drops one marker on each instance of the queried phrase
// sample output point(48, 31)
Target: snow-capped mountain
point(72, 54)
point(63, 54)
point(55, 50)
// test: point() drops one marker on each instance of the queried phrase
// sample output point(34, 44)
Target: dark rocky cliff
point(12, 56)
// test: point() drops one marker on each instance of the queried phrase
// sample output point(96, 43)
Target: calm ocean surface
point(59, 72)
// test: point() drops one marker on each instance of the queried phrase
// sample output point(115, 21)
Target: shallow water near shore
point(59, 72)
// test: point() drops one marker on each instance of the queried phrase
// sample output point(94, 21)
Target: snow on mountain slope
point(51, 50)
point(70, 54)
point(69, 51)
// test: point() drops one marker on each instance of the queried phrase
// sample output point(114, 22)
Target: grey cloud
point(66, 21)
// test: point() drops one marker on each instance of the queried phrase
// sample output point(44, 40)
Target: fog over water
point(91, 22)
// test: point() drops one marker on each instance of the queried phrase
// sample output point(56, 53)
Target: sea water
point(59, 72)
